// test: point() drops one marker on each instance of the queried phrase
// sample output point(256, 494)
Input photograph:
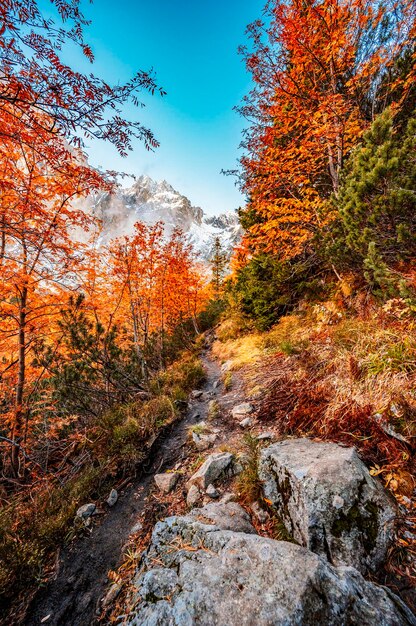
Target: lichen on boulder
point(328, 501)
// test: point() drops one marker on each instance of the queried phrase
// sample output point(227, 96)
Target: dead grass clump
point(288, 336)
point(227, 381)
point(234, 326)
point(304, 404)
point(240, 352)
point(248, 482)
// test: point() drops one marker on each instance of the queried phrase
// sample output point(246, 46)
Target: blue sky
point(192, 46)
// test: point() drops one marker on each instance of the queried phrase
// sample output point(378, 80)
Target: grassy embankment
point(344, 376)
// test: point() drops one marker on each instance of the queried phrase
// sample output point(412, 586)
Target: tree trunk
point(3, 237)
point(21, 379)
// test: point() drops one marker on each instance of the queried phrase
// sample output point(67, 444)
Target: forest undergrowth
point(108, 454)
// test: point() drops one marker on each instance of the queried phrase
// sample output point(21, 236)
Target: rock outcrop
point(196, 572)
point(328, 501)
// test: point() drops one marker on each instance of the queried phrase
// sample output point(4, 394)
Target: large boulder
point(328, 501)
point(196, 574)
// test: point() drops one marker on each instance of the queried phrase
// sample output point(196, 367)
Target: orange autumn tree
point(184, 290)
point(156, 285)
point(47, 95)
point(38, 256)
point(134, 264)
point(46, 106)
point(316, 66)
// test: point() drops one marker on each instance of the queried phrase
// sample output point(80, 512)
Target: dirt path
point(73, 596)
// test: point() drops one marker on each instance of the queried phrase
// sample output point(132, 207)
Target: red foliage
point(299, 406)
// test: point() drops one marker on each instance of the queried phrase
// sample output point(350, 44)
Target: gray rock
point(216, 384)
point(328, 501)
point(228, 497)
point(136, 528)
point(157, 584)
point(266, 435)
point(237, 467)
point(196, 573)
point(224, 516)
point(203, 442)
point(86, 510)
point(113, 497)
point(211, 469)
point(166, 482)
point(225, 367)
point(246, 422)
point(193, 495)
point(260, 513)
point(242, 409)
point(196, 393)
point(111, 594)
point(212, 492)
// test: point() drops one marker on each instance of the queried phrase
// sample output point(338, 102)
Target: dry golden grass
point(240, 352)
point(348, 379)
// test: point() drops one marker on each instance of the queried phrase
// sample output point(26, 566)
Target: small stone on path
point(260, 513)
point(228, 497)
point(136, 528)
point(86, 510)
point(211, 469)
point(203, 442)
point(113, 497)
point(212, 492)
point(266, 435)
point(193, 495)
point(242, 409)
point(166, 482)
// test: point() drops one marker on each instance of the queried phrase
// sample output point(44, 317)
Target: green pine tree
point(88, 371)
point(377, 201)
point(218, 267)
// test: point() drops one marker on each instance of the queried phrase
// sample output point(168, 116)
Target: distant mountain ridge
point(151, 201)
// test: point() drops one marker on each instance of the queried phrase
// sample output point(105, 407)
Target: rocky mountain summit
point(151, 201)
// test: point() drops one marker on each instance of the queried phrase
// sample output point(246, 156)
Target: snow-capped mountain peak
point(151, 201)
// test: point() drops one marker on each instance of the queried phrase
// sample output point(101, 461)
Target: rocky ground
point(74, 594)
point(176, 548)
